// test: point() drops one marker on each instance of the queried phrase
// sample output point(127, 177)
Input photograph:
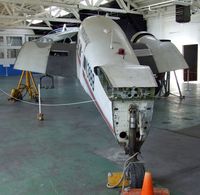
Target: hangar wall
point(131, 24)
point(11, 41)
point(164, 26)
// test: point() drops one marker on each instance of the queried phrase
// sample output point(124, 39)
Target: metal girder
point(196, 3)
point(7, 9)
point(68, 6)
point(160, 4)
point(75, 13)
point(98, 2)
point(183, 2)
point(64, 20)
point(105, 9)
point(131, 4)
point(87, 2)
point(122, 5)
point(145, 5)
point(47, 23)
point(14, 12)
point(26, 27)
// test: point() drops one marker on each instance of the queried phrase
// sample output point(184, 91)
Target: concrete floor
point(72, 150)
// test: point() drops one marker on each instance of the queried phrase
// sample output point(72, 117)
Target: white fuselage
point(100, 41)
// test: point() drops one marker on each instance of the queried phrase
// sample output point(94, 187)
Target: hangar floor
point(72, 150)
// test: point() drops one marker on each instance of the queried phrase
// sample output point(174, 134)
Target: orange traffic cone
point(147, 187)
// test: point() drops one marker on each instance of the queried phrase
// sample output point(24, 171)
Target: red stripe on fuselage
point(96, 103)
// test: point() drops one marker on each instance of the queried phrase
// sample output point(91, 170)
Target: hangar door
point(190, 53)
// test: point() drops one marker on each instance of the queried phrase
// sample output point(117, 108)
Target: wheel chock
point(157, 191)
point(147, 188)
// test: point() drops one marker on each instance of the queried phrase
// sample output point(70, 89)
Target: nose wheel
point(135, 169)
point(135, 172)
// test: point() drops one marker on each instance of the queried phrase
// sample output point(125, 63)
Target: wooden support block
point(157, 191)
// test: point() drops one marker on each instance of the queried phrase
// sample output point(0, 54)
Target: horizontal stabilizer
point(33, 56)
point(129, 76)
point(165, 54)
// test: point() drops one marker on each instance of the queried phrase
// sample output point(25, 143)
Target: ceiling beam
point(122, 5)
point(69, 6)
point(7, 9)
point(47, 23)
point(133, 4)
point(160, 4)
point(98, 2)
point(87, 2)
point(165, 4)
point(75, 13)
point(26, 27)
point(64, 20)
point(3, 10)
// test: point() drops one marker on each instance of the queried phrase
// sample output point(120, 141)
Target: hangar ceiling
point(30, 13)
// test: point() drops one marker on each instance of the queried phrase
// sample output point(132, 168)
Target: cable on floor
point(48, 105)
point(126, 165)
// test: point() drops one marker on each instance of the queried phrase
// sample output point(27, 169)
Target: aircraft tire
point(136, 173)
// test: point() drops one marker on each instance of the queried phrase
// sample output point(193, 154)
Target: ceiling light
point(35, 21)
point(93, 2)
point(56, 11)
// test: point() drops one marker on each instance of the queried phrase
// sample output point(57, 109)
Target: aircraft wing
point(57, 36)
point(46, 58)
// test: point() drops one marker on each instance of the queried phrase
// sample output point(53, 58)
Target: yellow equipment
point(22, 89)
point(114, 180)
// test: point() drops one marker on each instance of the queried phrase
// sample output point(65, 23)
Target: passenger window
point(90, 76)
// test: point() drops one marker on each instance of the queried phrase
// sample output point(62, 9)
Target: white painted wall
point(164, 26)
point(16, 32)
point(23, 33)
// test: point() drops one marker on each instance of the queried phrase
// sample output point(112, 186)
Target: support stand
point(188, 80)
point(22, 89)
point(164, 86)
point(179, 89)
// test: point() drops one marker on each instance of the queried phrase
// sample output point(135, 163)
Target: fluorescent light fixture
point(53, 11)
point(93, 2)
point(35, 21)
point(56, 11)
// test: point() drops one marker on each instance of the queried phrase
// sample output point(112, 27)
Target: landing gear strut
point(132, 130)
point(136, 169)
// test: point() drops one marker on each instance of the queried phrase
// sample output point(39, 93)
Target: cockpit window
point(104, 80)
